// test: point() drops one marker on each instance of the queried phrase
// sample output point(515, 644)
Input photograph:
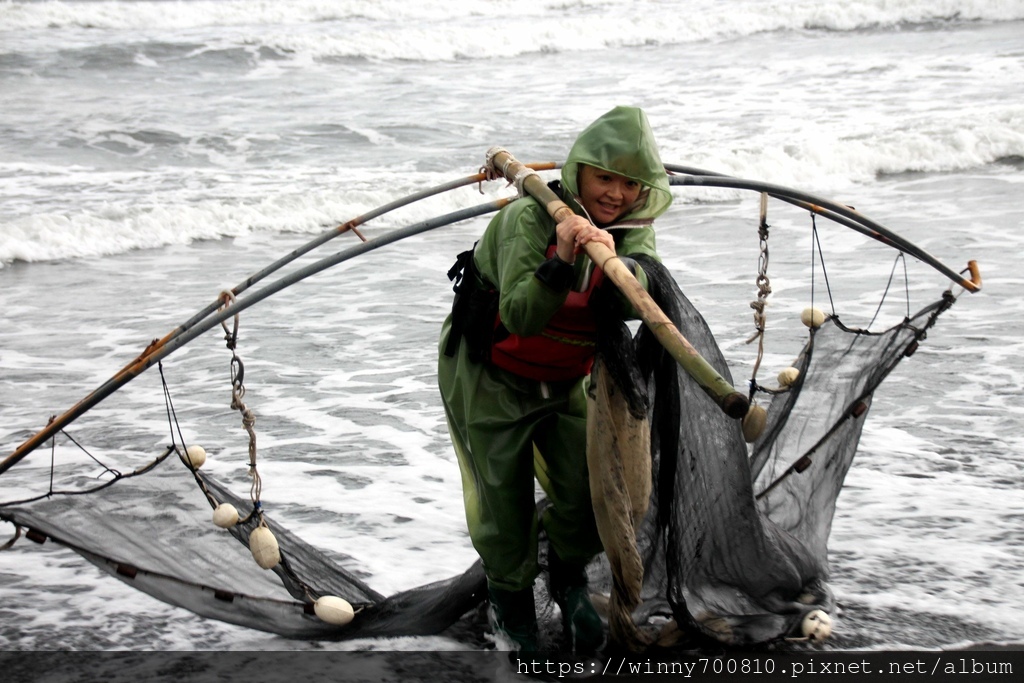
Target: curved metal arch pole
point(192, 328)
point(348, 226)
point(160, 349)
point(833, 211)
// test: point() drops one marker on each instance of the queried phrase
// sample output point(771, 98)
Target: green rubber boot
point(513, 618)
point(581, 624)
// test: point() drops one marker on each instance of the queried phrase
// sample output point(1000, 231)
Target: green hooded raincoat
point(507, 429)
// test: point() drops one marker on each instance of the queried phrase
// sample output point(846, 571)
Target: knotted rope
point(491, 172)
point(237, 394)
point(764, 288)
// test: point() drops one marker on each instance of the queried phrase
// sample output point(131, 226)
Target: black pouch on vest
point(473, 310)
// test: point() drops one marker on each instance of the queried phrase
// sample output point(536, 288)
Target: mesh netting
point(174, 555)
point(737, 543)
point(734, 543)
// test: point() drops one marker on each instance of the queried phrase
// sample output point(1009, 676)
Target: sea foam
point(440, 30)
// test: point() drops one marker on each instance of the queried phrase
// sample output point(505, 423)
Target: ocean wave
point(437, 30)
point(96, 222)
point(106, 214)
point(87, 213)
point(829, 158)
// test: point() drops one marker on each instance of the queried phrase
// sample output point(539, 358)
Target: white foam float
point(333, 610)
point(194, 455)
point(788, 377)
point(813, 317)
point(816, 625)
point(754, 422)
point(225, 515)
point(264, 548)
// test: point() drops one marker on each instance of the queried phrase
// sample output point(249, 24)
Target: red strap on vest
point(564, 350)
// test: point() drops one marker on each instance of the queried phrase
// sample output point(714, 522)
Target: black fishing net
point(734, 543)
point(175, 555)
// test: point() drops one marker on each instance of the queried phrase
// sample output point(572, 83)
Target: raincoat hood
point(621, 142)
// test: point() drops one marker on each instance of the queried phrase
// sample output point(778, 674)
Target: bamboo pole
point(731, 401)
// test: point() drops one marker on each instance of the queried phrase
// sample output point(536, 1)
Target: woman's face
point(606, 196)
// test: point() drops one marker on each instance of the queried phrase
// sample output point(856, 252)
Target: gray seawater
point(153, 154)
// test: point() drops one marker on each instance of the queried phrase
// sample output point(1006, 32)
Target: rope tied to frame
point(17, 534)
point(492, 173)
point(764, 288)
point(237, 394)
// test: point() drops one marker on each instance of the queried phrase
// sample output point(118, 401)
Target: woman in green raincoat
point(515, 356)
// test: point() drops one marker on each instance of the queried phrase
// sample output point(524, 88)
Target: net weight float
point(264, 548)
point(225, 515)
point(193, 457)
point(813, 317)
point(754, 423)
point(816, 625)
point(788, 377)
point(333, 610)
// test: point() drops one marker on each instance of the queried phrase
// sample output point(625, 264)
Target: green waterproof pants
point(506, 430)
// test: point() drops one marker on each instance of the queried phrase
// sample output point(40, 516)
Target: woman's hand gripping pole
point(731, 401)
